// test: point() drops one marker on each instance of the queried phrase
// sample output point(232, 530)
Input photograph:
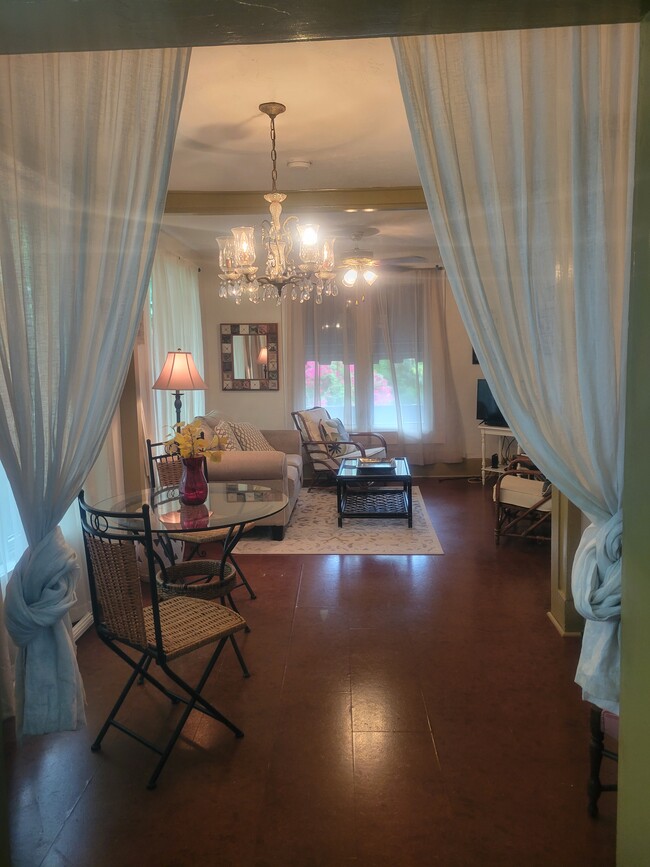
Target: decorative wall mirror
point(249, 356)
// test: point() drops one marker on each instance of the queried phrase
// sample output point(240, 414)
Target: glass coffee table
point(374, 489)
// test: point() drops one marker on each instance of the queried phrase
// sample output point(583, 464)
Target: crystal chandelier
point(313, 276)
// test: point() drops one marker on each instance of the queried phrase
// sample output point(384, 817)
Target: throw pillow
point(251, 439)
point(225, 430)
point(334, 434)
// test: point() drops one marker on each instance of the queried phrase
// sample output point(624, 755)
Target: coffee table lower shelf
point(375, 503)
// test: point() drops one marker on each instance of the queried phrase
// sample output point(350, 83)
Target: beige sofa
point(280, 469)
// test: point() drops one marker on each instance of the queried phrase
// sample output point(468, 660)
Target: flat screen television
point(487, 409)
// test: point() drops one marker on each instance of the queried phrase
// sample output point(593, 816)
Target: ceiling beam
point(92, 25)
point(207, 202)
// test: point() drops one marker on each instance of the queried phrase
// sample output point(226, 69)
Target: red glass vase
point(193, 486)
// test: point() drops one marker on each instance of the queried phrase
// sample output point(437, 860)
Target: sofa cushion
point(296, 462)
point(294, 483)
point(523, 493)
point(229, 441)
point(251, 438)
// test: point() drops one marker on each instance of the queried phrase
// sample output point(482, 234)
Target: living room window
point(12, 535)
point(381, 365)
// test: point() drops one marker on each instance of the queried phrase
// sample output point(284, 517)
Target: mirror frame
point(227, 331)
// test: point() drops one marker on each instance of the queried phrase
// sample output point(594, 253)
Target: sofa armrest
point(248, 466)
point(287, 441)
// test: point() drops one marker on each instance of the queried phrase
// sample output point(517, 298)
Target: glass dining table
point(230, 506)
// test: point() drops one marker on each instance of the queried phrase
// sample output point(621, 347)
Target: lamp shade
point(179, 373)
point(263, 356)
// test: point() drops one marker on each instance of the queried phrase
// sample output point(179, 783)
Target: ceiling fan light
point(369, 276)
point(350, 277)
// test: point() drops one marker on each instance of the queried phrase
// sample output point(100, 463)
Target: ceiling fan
point(362, 262)
point(358, 264)
point(406, 263)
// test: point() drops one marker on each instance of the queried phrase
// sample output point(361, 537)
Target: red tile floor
point(401, 711)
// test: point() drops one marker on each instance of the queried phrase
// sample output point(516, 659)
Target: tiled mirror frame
point(227, 332)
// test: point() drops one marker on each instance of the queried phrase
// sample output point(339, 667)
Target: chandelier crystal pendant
point(312, 276)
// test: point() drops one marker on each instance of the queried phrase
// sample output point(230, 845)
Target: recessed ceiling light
point(369, 210)
point(298, 164)
point(351, 210)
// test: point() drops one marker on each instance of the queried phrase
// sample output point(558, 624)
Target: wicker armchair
point(160, 632)
point(522, 496)
point(325, 443)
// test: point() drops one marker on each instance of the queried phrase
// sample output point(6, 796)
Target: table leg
point(409, 501)
point(339, 500)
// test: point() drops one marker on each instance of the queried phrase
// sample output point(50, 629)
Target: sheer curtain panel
point(383, 365)
point(174, 323)
point(85, 148)
point(525, 148)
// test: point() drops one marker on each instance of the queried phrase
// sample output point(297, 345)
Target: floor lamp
point(179, 374)
point(263, 359)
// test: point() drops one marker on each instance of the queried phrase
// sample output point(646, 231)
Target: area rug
point(314, 530)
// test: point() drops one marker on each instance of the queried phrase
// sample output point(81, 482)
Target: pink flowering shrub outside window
point(332, 385)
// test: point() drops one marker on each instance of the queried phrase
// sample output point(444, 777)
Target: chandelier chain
point(274, 157)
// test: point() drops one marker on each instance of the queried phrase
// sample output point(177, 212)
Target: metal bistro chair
point(160, 632)
point(168, 469)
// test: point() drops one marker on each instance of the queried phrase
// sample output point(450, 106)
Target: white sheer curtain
point(174, 323)
point(85, 147)
point(104, 480)
point(411, 353)
point(383, 365)
point(525, 147)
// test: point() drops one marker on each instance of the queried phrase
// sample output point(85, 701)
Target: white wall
point(266, 409)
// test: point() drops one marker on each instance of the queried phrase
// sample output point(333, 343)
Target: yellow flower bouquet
point(189, 442)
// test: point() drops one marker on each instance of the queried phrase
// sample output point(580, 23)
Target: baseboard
point(560, 629)
point(468, 468)
point(82, 626)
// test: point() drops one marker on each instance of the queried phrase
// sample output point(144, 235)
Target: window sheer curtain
point(525, 148)
point(382, 366)
point(85, 148)
point(172, 321)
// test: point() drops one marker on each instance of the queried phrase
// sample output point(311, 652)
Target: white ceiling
point(345, 115)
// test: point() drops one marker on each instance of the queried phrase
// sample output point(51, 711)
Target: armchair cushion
point(334, 435)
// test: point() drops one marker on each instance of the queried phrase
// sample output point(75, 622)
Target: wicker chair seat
point(188, 624)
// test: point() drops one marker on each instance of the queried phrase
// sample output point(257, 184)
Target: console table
point(502, 434)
